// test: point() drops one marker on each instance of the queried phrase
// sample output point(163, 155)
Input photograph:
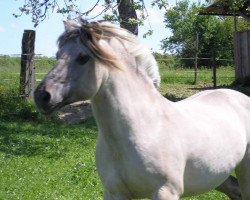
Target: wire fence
point(206, 70)
point(11, 64)
point(172, 69)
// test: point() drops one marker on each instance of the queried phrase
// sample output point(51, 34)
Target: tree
point(123, 11)
point(215, 34)
point(127, 12)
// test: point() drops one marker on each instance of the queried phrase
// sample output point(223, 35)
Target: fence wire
point(170, 68)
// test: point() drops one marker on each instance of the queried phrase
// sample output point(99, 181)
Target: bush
point(167, 61)
point(45, 62)
point(7, 61)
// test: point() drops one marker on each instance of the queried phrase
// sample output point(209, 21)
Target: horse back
point(226, 101)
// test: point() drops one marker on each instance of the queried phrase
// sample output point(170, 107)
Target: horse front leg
point(243, 175)
point(231, 188)
point(109, 196)
point(166, 193)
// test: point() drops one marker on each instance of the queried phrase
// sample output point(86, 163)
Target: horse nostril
point(45, 96)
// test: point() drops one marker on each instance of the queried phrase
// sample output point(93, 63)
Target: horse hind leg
point(243, 175)
point(231, 188)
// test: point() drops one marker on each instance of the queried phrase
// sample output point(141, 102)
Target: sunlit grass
point(51, 160)
point(224, 76)
point(45, 159)
point(48, 160)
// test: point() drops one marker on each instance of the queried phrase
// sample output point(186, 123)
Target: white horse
point(148, 146)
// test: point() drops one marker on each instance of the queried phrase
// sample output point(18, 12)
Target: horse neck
point(123, 102)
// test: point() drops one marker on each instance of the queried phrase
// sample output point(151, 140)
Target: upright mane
point(91, 32)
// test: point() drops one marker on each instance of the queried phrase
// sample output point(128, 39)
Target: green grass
point(46, 159)
point(225, 76)
point(51, 160)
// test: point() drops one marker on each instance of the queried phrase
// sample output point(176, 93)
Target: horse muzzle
point(44, 101)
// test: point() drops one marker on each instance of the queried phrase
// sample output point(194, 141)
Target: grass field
point(46, 159)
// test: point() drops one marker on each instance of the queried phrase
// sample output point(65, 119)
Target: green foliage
point(167, 61)
point(172, 73)
point(215, 35)
point(234, 5)
point(45, 61)
point(185, 24)
point(243, 25)
point(111, 18)
point(7, 61)
point(148, 33)
point(160, 3)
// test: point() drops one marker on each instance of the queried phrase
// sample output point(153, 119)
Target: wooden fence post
point(196, 58)
point(214, 71)
point(242, 56)
point(27, 73)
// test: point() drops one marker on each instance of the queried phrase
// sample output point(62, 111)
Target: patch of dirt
point(76, 112)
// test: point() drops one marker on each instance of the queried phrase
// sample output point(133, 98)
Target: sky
point(47, 32)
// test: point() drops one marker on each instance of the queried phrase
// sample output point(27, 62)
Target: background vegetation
point(206, 36)
point(43, 158)
point(9, 62)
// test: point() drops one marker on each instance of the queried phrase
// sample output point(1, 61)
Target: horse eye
point(82, 59)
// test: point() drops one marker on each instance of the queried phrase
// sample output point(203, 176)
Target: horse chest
point(128, 166)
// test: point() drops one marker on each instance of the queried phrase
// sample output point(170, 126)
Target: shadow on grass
point(241, 88)
point(181, 93)
point(48, 138)
point(173, 97)
point(13, 146)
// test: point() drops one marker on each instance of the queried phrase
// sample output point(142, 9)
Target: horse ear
point(67, 25)
point(70, 25)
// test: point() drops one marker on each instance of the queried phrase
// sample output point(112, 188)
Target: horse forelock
point(90, 34)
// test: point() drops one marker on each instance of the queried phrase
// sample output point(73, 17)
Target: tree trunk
point(126, 12)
